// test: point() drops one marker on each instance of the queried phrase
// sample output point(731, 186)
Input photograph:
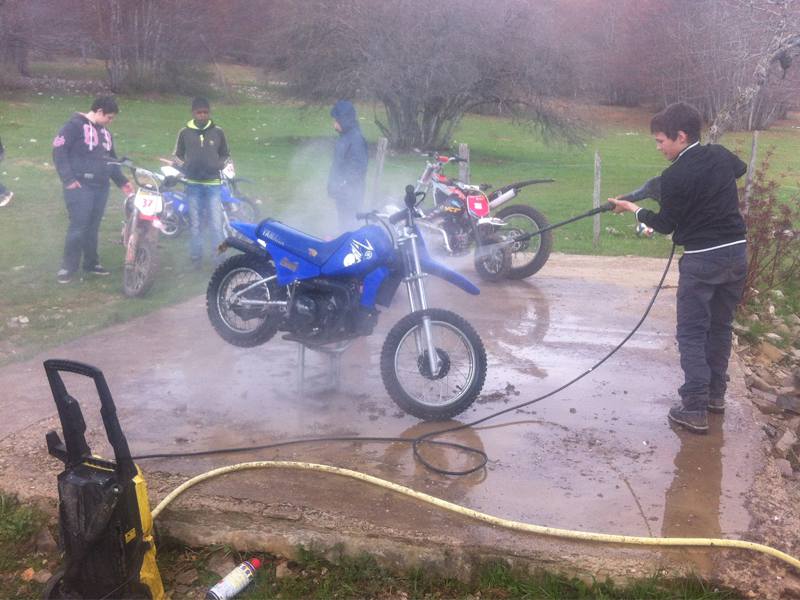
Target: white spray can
point(235, 581)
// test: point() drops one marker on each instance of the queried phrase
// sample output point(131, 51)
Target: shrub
point(773, 237)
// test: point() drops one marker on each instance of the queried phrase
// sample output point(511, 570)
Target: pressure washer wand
point(600, 209)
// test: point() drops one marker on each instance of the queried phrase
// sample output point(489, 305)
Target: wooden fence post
point(380, 158)
point(748, 182)
point(596, 200)
point(463, 168)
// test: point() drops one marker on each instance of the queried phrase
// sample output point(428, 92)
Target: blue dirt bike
point(433, 363)
point(235, 205)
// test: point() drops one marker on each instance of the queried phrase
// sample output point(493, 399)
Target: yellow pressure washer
point(105, 525)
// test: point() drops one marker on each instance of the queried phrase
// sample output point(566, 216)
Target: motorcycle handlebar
point(443, 158)
point(398, 216)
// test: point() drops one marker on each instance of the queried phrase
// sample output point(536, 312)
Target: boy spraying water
point(700, 208)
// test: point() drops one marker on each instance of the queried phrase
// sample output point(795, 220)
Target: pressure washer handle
point(72, 423)
point(608, 206)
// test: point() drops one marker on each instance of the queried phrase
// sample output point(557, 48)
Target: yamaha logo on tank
point(358, 251)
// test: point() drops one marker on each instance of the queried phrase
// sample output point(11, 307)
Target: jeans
point(205, 204)
point(710, 287)
point(85, 206)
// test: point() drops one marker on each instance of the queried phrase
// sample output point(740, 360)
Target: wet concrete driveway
point(598, 456)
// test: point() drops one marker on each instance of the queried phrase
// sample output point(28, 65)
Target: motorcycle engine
point(319, 311)
point(455, 221)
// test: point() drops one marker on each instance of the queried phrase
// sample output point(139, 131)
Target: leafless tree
point(778, 48)
point(15, 26)
point(426, 63)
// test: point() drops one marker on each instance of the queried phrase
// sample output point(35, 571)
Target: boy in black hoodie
point(700, 208)
point(81, 153)
point(202, 151)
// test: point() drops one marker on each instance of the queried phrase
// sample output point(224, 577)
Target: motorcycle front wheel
point(170, 224)
point(493, 258)
point(245, 210)
point(139, 275)
point(405, 368)
point(528, 256)
point(236, 300)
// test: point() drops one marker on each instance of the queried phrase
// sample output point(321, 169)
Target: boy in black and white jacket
point(700, 208)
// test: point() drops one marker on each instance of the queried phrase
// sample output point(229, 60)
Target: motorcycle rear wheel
point(138, 277)
point(529, 256)
point(405, 371)
point(232, 320)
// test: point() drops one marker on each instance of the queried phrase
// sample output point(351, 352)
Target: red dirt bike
point(141, 229)
point(461, 215)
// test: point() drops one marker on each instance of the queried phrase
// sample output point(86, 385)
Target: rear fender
point(517, 185)
point(243, 246)
point(248, 230)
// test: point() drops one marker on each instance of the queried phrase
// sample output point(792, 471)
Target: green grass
point(312, 577)
point(18, 524)
point(286, 151)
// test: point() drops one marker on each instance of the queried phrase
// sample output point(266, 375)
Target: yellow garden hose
point(508, 524)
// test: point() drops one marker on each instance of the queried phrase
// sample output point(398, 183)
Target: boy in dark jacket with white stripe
point(700, 208)
point(81, 153)
point(202, 151)
point(346, 181)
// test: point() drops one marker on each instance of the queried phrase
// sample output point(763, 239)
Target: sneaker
point(695, 421)
point(63, 276)
point(716, 405)
point(6, 198)
point(98, 270)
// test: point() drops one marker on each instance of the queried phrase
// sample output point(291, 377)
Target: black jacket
point(203, 151)
point(81, 152)
point(699, 200)
point(350, 155)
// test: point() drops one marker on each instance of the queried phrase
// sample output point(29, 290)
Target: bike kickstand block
point(328, 377)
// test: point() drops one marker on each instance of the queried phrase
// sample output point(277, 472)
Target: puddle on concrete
point(598, 456)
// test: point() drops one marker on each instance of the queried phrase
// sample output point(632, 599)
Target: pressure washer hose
point(474, 514)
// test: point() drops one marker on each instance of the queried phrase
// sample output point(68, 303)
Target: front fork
point(132, 238)
point(418, 301)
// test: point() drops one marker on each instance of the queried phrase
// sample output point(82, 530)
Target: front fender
point(432, 267)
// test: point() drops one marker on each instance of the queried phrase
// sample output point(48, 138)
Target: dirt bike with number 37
point(141, 229)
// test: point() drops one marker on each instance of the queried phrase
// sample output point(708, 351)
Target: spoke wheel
point(235, 300)
point(493, 258)
point(406, 370)
point(528, 256)
point(139, 276)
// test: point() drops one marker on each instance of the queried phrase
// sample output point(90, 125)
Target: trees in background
point(427, 63)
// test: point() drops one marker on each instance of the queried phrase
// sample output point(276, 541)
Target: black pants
point(85, 206)
point(709, 290)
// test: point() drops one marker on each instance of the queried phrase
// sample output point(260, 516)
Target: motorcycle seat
point(312, 249)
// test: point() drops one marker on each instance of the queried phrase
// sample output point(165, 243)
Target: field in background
point(285, 150)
